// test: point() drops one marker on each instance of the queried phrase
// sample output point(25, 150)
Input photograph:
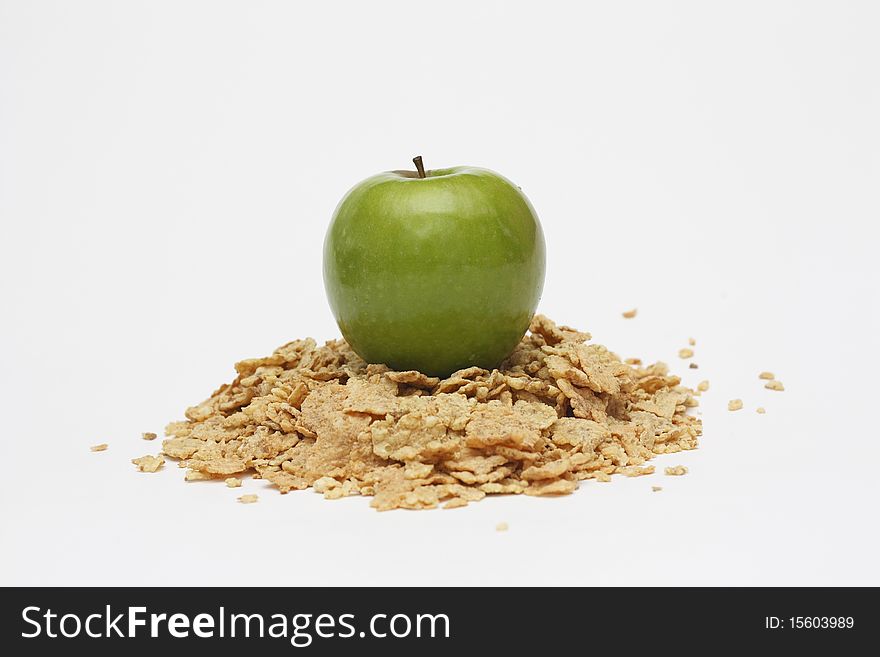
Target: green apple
point(434, 271)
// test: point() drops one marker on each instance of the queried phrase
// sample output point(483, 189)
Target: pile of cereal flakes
point(558, 410)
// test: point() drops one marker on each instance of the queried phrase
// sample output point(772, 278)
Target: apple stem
point(417, 160)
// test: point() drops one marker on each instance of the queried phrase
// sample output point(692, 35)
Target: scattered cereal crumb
point(148, 435)
point(766, 375)
point(703, 386)
point(734, 404)
point(676, 471)
point(148, 463)
point(774, 385)
point(760, 410)
point(501, 527)
point(98, 448)
point(692, 342)
point(693, 366)
point(686, 352)
point(629, 314)
point(248, 499)
point(656, 489)
point(233, 482)
point(633, 361)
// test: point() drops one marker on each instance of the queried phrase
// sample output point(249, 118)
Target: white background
point(168, 169)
